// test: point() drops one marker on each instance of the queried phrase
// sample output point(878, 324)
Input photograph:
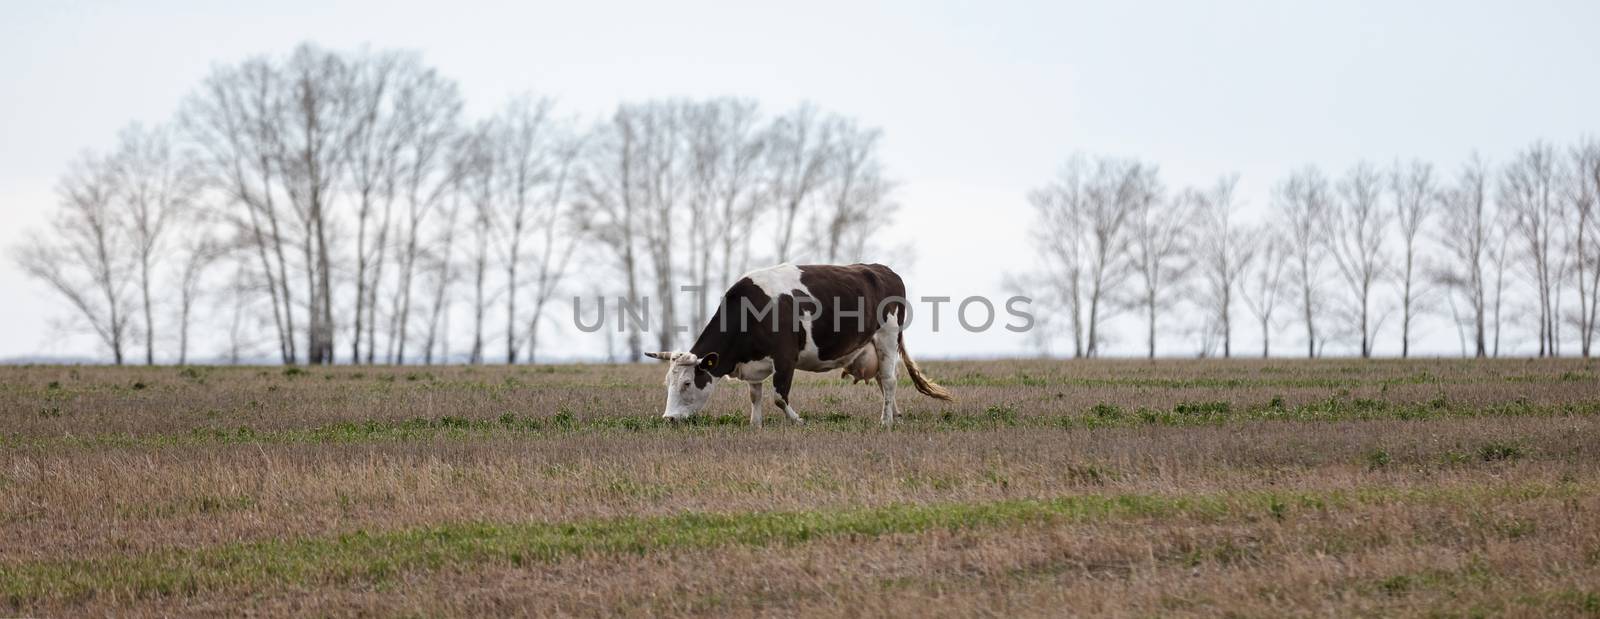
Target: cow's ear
point(664, 356)
point(710, 361)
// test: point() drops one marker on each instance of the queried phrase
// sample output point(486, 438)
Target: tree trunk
point(476, 358)
point(1311, 329)
point(314, 304)
point(1366, 338)
point(1150, 305)
point(149, 316)
point(1077, 317)
point(183, 334)
point(1227, 326)
point(1266, 338)
point(511, 310)
point(116, 324)
point(377, 281)
point(1405, 318)
point(272, 285)
point(790, 211)
point(635, 346)
point(361, 280)
point(325, 282)
point(1094, 310)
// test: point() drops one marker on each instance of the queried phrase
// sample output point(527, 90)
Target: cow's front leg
point(782, 378)
point(755, 404)
point(887, 343)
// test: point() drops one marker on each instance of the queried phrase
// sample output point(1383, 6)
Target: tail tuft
point(925, 386)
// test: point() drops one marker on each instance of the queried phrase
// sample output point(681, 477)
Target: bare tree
point(1467, 232)
point(481, 177)
point(1158, 250)
point(241, 291)
point(374, 175)
point(1060, 208)
point(856, 194)
point(202, 245)
point(1357, 226)
point(200, 251)
point(1115, 193)
point(1583, 198)
point(704, 147)
point(801, 145)
point(538, 154)
point(664, 179)
point(1118, 191)
point(434, 156)
point(319, 126)
point(156, 184)
point(1414, 199)
point(441, 276)
point(1501, 253)
point(741, 189)
point(1084, 228)
point(1262, 283)
point(609, 189)
point(280, 141)
point(325, 173)
point(564, 231)
point(236, 118)
point(1302, 203)
point(86, 259)
point(1528, 192)
point(1223, 251)
point(520, 134)
point(726, 148)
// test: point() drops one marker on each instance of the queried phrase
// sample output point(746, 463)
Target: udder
point(864, 367)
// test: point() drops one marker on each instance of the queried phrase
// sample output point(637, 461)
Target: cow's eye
point(685, 383)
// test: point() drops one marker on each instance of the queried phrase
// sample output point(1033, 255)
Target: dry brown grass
point(1487, 478)
point(56, 401)
point(1389, 561)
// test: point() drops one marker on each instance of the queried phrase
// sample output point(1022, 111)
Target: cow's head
point(689, 382)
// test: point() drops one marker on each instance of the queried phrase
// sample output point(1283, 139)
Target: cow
point(816, 318)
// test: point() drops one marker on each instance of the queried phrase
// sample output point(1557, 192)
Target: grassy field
point(1108, 487)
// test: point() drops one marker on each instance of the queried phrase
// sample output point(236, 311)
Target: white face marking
point(684, 396)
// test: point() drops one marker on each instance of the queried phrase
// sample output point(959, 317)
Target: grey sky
point(979, 101)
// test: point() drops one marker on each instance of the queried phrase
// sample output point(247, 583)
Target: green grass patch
point(1144, 382)
point(1335, 408)
point(1494, 452)
point(381, 556)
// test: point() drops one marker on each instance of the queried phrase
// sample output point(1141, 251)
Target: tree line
point(1336, 259)
point(330, 205)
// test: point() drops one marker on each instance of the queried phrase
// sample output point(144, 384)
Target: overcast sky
point(979, 102)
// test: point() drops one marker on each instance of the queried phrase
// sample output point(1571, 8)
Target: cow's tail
point(927, 387)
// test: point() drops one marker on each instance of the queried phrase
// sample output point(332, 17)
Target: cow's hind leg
point(887, 343)
point(789, 411)
point(755, 404)
point(782, 379)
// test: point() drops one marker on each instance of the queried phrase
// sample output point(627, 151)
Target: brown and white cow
point(780, 319)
